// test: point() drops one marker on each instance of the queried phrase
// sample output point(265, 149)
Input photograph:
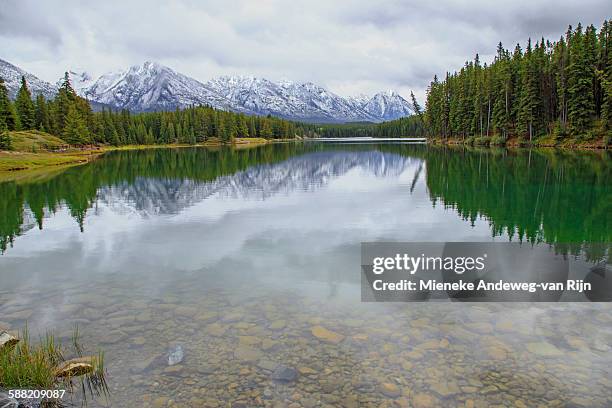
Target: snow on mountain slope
point(307, 101)
point(153, 87)
point(80, 81)
point(12, 80)
point(388, 106)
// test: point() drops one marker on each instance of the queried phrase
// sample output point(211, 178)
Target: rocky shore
point(212, 348)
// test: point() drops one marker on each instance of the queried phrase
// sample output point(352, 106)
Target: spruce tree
point(606, 82)
point(529, 98)
point(561, 62)
point(243, 129)
point(580, 83)
point(7, 110)
point(42, 114)
point(502, 92)
point(5, 138)
point(75, 132)
point(25, 107)
point(64, 100)
point(266, 130)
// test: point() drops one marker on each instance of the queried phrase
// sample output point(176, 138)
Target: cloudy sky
point(347, 46)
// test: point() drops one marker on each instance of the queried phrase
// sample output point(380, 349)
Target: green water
point(239, 256)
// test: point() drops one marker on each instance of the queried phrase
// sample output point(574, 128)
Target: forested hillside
point(559, 89)
point(71, 118)
point(410, 126)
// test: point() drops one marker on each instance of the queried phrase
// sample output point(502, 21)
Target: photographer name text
point(577, 285)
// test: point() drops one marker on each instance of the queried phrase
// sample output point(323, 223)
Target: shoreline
point(515, 143)
point(17, 165)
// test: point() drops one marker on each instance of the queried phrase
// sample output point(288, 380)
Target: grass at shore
point(42, 365)
point(35, 153)
point(33, 149)
point(15, 161)
point(34, 141)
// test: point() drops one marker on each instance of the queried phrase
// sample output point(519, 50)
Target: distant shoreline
point(369, 139)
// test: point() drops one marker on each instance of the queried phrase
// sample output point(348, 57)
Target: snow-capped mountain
point(152, 87)
point(307, 101)
point(12, 80)
point(387, 106)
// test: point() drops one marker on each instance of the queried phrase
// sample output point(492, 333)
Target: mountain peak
point(153, 86)
point(149, 68)
point(389, 93)
point(388, 105)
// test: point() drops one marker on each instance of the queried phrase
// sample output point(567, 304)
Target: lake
point(244, 265)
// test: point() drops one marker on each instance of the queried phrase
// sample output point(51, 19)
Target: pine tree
point(580, 83)
point(64, 100)
point(243, 129)
point(529, 98)
point(171, 133)
point(42, 114)
point(605, 74)
point(25, 107)
point(5, 138)
point(502, 92)
point(75, 132)
point(7, 111)
point(561, 62)
point(266, 130)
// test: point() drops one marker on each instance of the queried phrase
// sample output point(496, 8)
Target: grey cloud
point(23, 20)
point(352, 45)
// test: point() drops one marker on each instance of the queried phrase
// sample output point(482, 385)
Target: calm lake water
point(244, 265)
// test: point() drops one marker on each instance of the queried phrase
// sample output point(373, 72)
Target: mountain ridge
point(12, 80)
point(152, 86)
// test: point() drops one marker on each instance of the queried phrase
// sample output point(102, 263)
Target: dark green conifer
point(25, 107)
point(75, 132)
point(7, 111)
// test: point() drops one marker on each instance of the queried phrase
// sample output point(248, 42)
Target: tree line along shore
point(548, 93)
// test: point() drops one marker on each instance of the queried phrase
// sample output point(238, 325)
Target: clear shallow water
point(239, 257)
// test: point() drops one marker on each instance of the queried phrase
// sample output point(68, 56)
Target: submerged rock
point(445, 389)
point(278, 324)
point(543, 349)
point(266, 365)
point(422, 400)
point(176, 355)
point(248, 354)
point(389, 390)
point(326, 335)
point(283, 373)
